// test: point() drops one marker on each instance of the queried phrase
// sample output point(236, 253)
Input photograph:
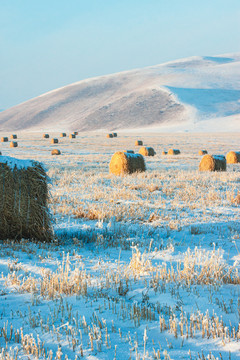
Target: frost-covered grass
point(144, 266)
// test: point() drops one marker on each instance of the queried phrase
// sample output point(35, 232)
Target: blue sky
point(48, 44)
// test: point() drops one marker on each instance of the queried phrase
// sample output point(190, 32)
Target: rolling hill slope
point(197, 93)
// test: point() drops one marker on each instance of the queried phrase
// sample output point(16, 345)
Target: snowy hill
point(197, 93)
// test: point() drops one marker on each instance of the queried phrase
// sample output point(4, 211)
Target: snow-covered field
point(144, 266)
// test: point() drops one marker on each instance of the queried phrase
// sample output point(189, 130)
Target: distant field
point(145, 266)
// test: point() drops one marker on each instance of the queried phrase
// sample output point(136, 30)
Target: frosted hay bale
point(114, 134)
point(173, 152)
point(233, 157)
point(45, 136)
point(147, 151)
point(164, 152)
point(13, 144)
point(4, 139)
point(13, 136)
point(138, 143)
point(109, 135)
point(23, 199)
point(63, 135)
point(213, 163)
point(129, 151)
point(72, 136)
point(125, 163)
point(202, 152)
point(54, 141)
point(56, 152)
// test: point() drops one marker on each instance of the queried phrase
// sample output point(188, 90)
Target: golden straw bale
point(114, 134)
point(147, 151)
point(109, 135)
point(173, 152)
point(63, 135)
point(72, 136)
point(13, 144)
point(138, 143)
point(23, 198)
point(129, 151)
point(125, 163)
point(46, 136)
point(233, 157)
point(164, 152)
point(56, 152)
point(75, 132)
point(213, 163)
point(13, 136)
point(202, 152)
point(4, 139)
point(54, 141)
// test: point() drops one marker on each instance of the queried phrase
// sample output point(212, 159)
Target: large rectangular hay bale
point(23, 200)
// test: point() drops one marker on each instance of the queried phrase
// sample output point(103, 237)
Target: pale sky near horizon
point(51, 43)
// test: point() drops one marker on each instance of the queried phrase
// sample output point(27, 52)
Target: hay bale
point(45, 136)
point(72, 136)
point(63, 135)
point(213, 163)
point(13, 144)
point(109, 135)
point(164, 152)
point(173, 152)
point(13, 136)
point(23, 200)
point(0, 153)
point(75, 132)
point(147, 151)
point(4, 139)
point(54, 141)
point(125, 163)
point(202, 152)
point(233, 157)
point(56, 152)
point(129, 151)
point(138, 143)
point(114, 134)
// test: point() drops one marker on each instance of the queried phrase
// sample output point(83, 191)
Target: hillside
point(197, 93)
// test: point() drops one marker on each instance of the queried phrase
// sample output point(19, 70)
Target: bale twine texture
point(138, 143)
point(202, 152)
point(147, 151)
point(233, 157)
point(23, 200)
point(56, 152)
point(173, 152)
point(125, 163)
point(213, 163)
point(13, 144)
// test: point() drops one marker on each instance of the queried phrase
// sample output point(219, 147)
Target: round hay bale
point(72, 136)
point(125, 163)
point(114, 134)
point(54, 141)
point(56, 152)
point(75, 132)
point(63, 135)
point(4, 139)
point(233, 157)
point(147, 151)
point(202, 152)
point(173, 152)
point(138, 143)
point(164, 153)
point(13, 144)
point(129, 151)
point(45, 136)
point(109, 135)
point(213, 163)
point(13, 136)
point(0, 153)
